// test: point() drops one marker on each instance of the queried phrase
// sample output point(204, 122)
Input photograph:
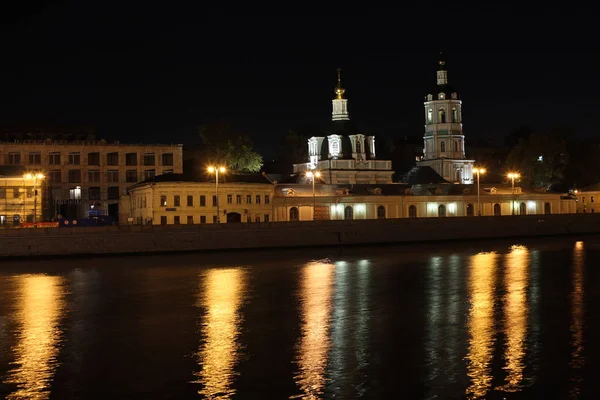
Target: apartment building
point(85, 177)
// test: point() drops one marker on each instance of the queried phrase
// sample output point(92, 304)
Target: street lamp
point(216, 170)
point(314, 175)
point(478, 171)
point(512, 176)
point(35, 178)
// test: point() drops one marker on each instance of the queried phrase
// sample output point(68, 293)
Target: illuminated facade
point(444, 140)
point(20, 200)
point(346, 155)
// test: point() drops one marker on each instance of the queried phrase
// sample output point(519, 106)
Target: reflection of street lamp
point(314, 175)
point(35, 178)
point(216, 171)
point(512, 176)
point(478, 171)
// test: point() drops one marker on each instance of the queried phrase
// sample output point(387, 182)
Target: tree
point(240, 157)
point(540, 158)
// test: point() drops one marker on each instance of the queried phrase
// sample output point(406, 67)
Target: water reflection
point(315, 292)
point(362, 324)
point(480, 324)
point(515, 316)
point(577, 359)
point(40, 306)
point(221, 296)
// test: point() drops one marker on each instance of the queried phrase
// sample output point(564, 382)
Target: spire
point(339, 91)
point(442, 74)
point(340, 104)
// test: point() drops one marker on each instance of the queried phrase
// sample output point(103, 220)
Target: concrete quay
point(173, 238)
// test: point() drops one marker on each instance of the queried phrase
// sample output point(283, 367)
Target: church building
point(346, 155)
point(444, 140)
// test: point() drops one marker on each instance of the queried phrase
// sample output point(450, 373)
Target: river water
point(501, 319)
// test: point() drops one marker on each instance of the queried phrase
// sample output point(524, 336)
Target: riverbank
point(173, 238)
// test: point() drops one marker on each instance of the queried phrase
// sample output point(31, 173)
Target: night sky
point(153, 72)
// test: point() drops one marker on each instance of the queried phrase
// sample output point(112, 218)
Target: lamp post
point(216, 171)
point(35, 178)
point(512, 176)
point(478, 171)
point(314, 175)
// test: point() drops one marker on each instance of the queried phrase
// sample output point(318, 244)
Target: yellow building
point(21, 199)
point(588, 199)
point(169, 199)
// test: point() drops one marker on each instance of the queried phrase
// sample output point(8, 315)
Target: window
point(29, 192)
point(190, 220)
point(442, 210)
point(74, 158)
point(54, 158)
point(16, 193)
point(167, 159)
point(358, 147)
point(412, 211)
point(112, 176)
point(294, 215)
point(75, 176)
point(214, 201)
point(54, 176)
point(203, 201)
point(190, 201)
point(258, 199)
point(131, 175)
point(131, 159)
point(229, 199)
point(522, 209)
point(35, 158)
point(442, 146)
point(163, 220)
point(163, 201)
point(149, 159)
point(583, 199)
point(548, 209)
point(167, 171)
point(149, 174)
point(455, 146)
point(14, 159)
point(257, 218)
point(441, 116)
point(267, 199)
point(381, 212)
point(75, 193)
point(348, 212)
point(203, 219)
point(113, 193)
point(497, 210)
point(94, 193)
point(214, 219)
point(266, 217)
point(454, 115)
point(470, 210)
point(93, 158)
point(335, 148)
point(2, 193)
point(248, 199)
point(430, 116)
point(112, 159)
point(592, 199)
point(94, 176)
point(176, 201)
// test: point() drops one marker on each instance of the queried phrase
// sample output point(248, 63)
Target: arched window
point(348, 212)
point(547, 208)
point(441, 116)
point(497, 211)
point(523, 209)
point(430, 116)
point(455, 146)
point(458, 175)
point(442, 210)
point(470, 210)
point(454, 115)
point(294, 214)
point(358, 147)
point(381, 212)
point(412, 211)
point(442, 146)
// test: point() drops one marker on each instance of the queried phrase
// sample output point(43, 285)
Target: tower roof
point(442, 80)
point(339, 91)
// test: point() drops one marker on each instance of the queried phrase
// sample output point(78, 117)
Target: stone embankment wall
point(133, 239)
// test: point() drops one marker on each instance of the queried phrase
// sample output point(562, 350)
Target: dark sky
point(144, 71)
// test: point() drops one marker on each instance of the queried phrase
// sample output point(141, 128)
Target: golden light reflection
point(516, 313)
point(221, 296)
point(480, 323)
point(316, 292)
point(39, 310)
point(577, 298)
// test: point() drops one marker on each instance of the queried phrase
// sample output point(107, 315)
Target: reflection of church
point(346, 155)
point(444, 141)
